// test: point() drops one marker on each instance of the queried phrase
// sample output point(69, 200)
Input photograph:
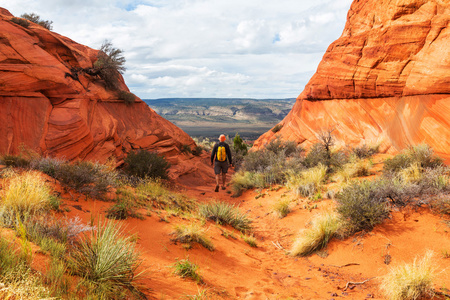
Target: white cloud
point(203, 48)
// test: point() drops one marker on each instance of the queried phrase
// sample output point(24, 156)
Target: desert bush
point(186, 149)
point(107, 262)
point(239, 145)
point(37, 20)
point(421, 155)
point(354, 168)
point(224, 213)
point(363, 205)
point(242, 181)
point(122, 210)
point(18, 161)
point(145, 164)
point(204, 143)
point(323, 228)
point(277, 128)
point(279, 145)
point(25, 195)
point(86, 177)
point(22, 22)
point(282, 208)
point(47, 165)
point(110, 64)
point(318, 154)
point(411, 281)
point(190, 234)
point(365, 151)
point(127, 97)
point(307, 182)
point(187, 269)
point(155, 192)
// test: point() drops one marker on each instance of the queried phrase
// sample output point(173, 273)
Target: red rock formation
point(386, 79)
point(46, 110)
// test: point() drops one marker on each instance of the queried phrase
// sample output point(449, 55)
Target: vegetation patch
point(191, 234)
point(223, 213)
point(411, 281)
point(282, 208)
point(323, 228)
point(187, 269)
point(145, 164)
point(307, 182)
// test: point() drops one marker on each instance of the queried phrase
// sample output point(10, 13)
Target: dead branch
point(346, 265)
point(277, 245)
point(356, 283)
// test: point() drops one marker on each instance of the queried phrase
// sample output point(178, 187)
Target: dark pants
point(220, 167)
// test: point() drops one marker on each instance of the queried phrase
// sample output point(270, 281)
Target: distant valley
point(209, 117)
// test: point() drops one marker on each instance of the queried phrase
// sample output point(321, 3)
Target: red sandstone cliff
point(386, 79)
point(46, 110)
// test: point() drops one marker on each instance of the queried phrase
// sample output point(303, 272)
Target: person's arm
point(213, 153)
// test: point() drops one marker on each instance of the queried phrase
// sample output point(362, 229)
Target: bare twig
point(346, 265)
point(277, 245)
point(356, 283)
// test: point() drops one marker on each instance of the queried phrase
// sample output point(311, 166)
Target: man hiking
point(219, 156)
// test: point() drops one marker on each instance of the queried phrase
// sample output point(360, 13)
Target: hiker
point(221, 159)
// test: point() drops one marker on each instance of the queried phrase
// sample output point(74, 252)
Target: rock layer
point(385, 80)
point(46, 110)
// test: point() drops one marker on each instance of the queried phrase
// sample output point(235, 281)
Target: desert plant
point(224, 213)
point(365, 151)
point(22, 22)
point(250, 240)
point(122, 210)
point(107, 262)
point(37, 20)
point(282, 208)
point(277, 128)
point(323, 228)
point(187, 269)
point(18, 161)
point(411, 281)
point(354, 168)
point(25, 195)
point(279, 145)
point(307, 182)
point(186, 149)
point(145, 164)
point(110, 64)
point(363, 205)
point(239, 145)
point(190, 234)
point(421, 154)
point(127, 97)
point(244, 180)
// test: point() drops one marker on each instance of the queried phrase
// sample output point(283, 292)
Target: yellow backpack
point(221, 153)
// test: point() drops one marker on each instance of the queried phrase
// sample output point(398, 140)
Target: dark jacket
point(227, 149)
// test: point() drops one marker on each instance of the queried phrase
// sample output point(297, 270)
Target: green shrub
point(411, 281)
point(190, 234)
point(47, 165)
point(242, 181)
point(37, 20)
point(319, 155)
point(239, 145)
point(277, 128)
point(186, 149)
point(21, 22)
point(145, 164)
point(122, 210)
point(110, 64)
point(224, 213)
point(323, 228)
point(107, 262)
point(363, 205)
point(86, 177)
point(17, 161)
point(421, 154)
point(187, 269)
point(127, 97)
point(279, 145)
point(197, 151)
point(365, 151)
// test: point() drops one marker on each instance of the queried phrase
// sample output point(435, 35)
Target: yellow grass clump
point(308, 182)
point(25, 194)
point(323, 228)
point(355, 168)
point(410, 281)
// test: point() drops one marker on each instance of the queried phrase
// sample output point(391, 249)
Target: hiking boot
point(223, 188)
point(217, 189)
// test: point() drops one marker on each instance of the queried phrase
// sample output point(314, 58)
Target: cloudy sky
point(203, 48)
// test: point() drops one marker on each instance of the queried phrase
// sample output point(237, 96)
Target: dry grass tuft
point(323, 228)
point(190, 234)
point(410, 281)
point(308, 182)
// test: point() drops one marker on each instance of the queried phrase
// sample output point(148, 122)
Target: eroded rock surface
point(385, 80)
point(44, 108)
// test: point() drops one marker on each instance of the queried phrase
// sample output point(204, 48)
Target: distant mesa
point(385, 80)
point(45, 107)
